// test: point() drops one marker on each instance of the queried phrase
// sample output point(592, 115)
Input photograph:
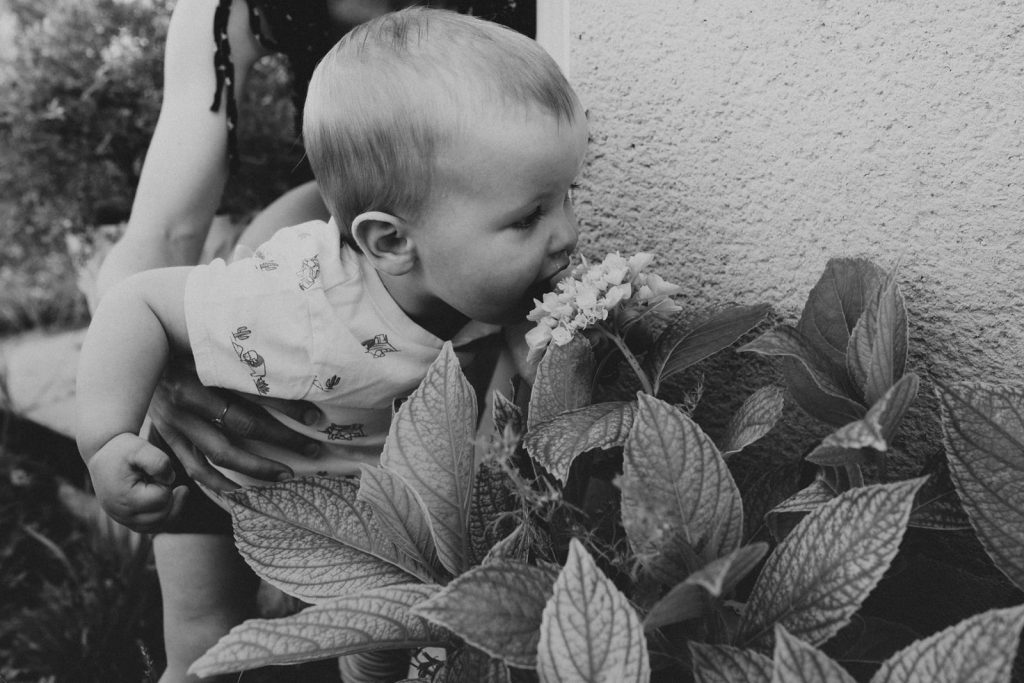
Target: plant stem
point(645, 383)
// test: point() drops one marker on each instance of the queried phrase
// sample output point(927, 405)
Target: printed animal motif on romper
point(310, 272)
point(252, 359)
point(378, 346)
point(337, 432)
point(327, 384)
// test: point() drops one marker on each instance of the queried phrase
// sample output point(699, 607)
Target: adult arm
point(186, 165)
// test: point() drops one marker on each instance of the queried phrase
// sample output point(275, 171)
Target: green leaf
point(506, 414)
point(402, 517)
point(314, 540)
point(821, 391)
point(981, 648)
point(894, 403)
point(877, 351)
point(430, 446)
point(783, 517)
point(727, 664)
point(494, 510)
point(497, 608)
point(718, 578)
point(938, 506)
point(563, 382)
point(674, 479)
point(589, 631)
point(755, 418)
point(822, 571)
point(796, 660)
point(677, 347)
point(468, 664)
point(836, 303)
point(556, 443)
point(370, 620)
point(983, 425)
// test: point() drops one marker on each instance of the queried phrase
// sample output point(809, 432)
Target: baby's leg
point(207, 588)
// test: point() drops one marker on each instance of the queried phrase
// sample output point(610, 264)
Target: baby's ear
point(382, 238)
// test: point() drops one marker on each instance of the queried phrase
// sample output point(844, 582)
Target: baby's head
point(427, 122)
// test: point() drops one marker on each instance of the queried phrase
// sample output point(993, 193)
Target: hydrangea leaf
point(400, 513)
point(589, 631)
point(430, 446)
point(783, 517)
point(823, 570)
point(563, 382)
point(795, 660)
point(495, 607)
point(556, 443)
point(755, 418)
point(493, 510)
point(836, 303)
point(876, 354)
point(718, 578)
point(983, 425)
point(679, 345)
point(369, 620)
point(980, 648)
point(727, 664)
point(505, 414)
point(314, 540)
point(470, 664)
point(675, 479)
point(821, 391)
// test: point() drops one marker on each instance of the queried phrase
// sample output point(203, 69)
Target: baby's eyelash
point(530, 221)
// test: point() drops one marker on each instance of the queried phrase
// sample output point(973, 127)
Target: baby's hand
point(134, 481)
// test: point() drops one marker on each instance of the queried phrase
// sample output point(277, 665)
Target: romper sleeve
point(250, 322)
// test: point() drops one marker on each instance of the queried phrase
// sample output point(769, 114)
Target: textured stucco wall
point(747, 142)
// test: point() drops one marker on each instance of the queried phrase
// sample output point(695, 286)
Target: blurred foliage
point(80, 92)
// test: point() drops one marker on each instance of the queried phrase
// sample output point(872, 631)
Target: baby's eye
point(530, 221)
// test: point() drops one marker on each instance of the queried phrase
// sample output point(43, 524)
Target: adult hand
point(199, 424)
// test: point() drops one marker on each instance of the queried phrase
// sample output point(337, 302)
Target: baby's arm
point(133, 333)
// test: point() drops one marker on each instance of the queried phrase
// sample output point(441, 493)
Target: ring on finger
point(219, 420)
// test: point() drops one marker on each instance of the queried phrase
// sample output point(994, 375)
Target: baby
point(445, 148)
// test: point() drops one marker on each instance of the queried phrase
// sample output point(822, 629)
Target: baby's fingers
point(154, 465)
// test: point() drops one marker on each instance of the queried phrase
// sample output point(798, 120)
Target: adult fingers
point(197, 467)
point(247, 420)
point(233, 414)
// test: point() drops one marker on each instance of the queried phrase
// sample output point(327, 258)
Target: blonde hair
point(393, 90)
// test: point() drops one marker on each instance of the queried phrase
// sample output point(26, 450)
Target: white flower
point(593, 294)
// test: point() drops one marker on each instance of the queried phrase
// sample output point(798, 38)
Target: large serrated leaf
point(494, 511)
point(556, 443)
point(781, 519)
point(401, 515)
point(589, 631)
point(755, 418)
point(795, 660)
point(836, 303)
point(674, 479)
point(727, 664)
point(717, 578)
point(822, 390)
point(430, 446)
point(677, 347)
point(314, 540)
point(983, 425)
point(980, 648)
point(564, 378)
point(371, 620)
point(877, 351)
point(497, 608)
point(824, 569)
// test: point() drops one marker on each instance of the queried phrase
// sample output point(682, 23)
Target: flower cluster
point(594, 294)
